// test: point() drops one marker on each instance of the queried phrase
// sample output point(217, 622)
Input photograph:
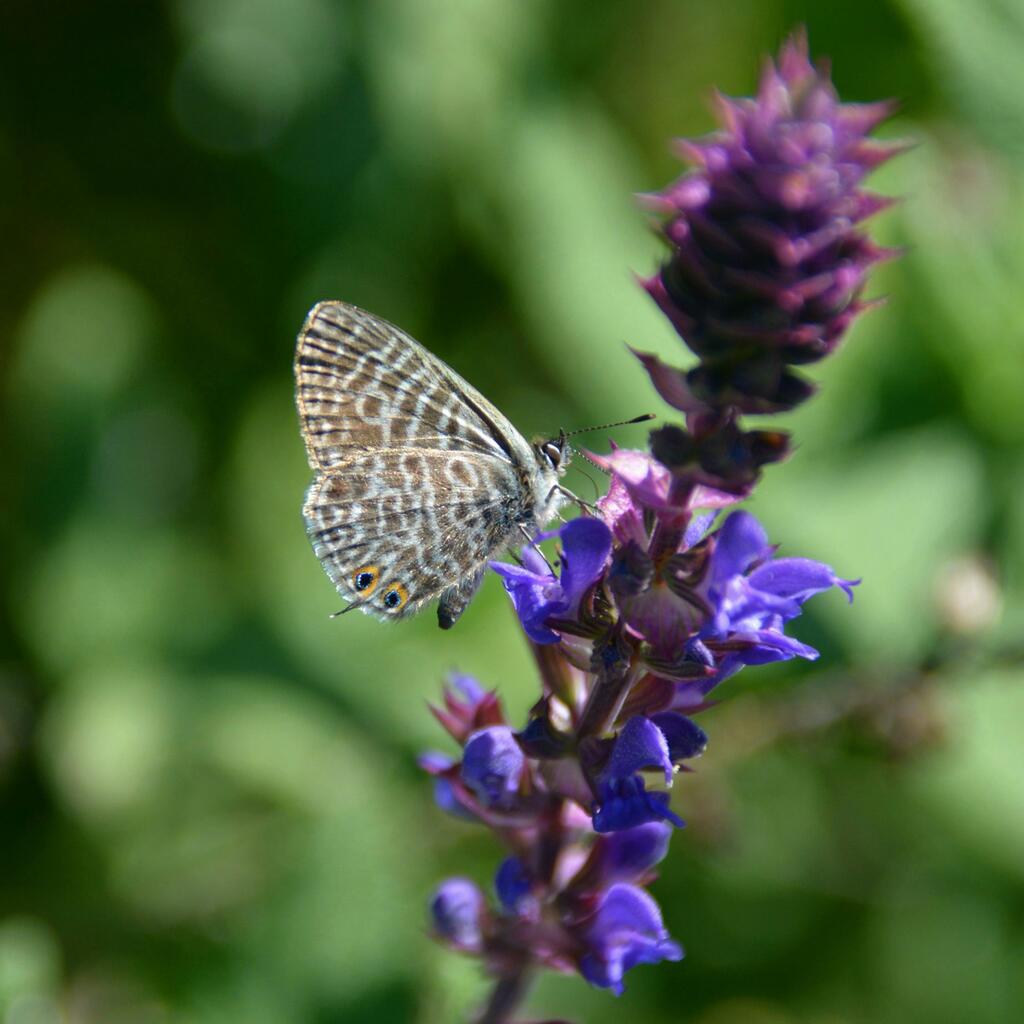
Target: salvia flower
point(768, 260)
point(653, 598)
point(566, 898)
point(458, 910)
point(627, 855)
point(625, 930)
point(492, 766)
point(754, 595)
point(538, 595)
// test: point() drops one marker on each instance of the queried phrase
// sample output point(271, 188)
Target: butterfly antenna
point(608, 426)
point(580, 451)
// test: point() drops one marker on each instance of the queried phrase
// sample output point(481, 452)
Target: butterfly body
point(419, 479)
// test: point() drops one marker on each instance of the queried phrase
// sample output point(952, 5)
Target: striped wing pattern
point(419, 479)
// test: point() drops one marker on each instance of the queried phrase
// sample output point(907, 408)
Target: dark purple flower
point(538, 595)
point(513, 884)
point(492, 766)
point(715, 453)
point(624, 931)
point(754, 596)
point(623, 800)
point(457, 910)
point(768, 262)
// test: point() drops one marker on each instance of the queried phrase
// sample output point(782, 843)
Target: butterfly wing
point(419, 478)
point(394, 523)
point(364, 385)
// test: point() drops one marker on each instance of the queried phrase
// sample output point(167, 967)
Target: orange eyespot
point(395, 596)
point(365, 579)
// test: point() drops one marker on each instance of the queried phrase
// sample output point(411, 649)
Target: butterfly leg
point(531, 542)
point(575, 498)
point(455, 599)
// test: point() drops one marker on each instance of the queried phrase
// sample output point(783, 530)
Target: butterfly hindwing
point(418, 521)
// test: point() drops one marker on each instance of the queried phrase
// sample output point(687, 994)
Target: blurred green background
point(209, 810)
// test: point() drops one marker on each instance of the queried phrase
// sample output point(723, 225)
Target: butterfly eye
point(365, 579)
point(395, 596)
point(552, 451)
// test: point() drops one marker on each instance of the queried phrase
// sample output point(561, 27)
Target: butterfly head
point(554, 452)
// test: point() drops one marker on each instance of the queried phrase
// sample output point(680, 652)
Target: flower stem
point(509, 991)
point(610, 688)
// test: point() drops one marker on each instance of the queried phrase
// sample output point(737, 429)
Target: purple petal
point(649, 483)
point(798, 578)
point(662, 618)
point(512, 883)
point(534, 598)
point(470, 689)
point(457, 909)
point(622, 514)
point(712, 497)
point(625, 909)
point(629, 854)
point(685, 738)
point(741, 607)
point(773, 645)
point(492, 765)
point(625, 803)
point(446, 799)
point(433, 762)
point(626, 930)
point(536, 563)
point(517, 576)
point(741, 541)
point(586, 545)
point(699, 525)
point(641, 744)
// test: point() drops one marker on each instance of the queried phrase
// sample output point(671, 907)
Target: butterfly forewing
point(419, 478)
point(364, 384)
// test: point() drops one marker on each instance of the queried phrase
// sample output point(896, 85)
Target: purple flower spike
point(768, 261)
point(492, 766)
point(537, 595)
point(457, 910)
point(662, 595)
point(626, 930)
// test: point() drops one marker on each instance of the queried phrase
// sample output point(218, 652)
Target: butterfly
point(419, 479)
